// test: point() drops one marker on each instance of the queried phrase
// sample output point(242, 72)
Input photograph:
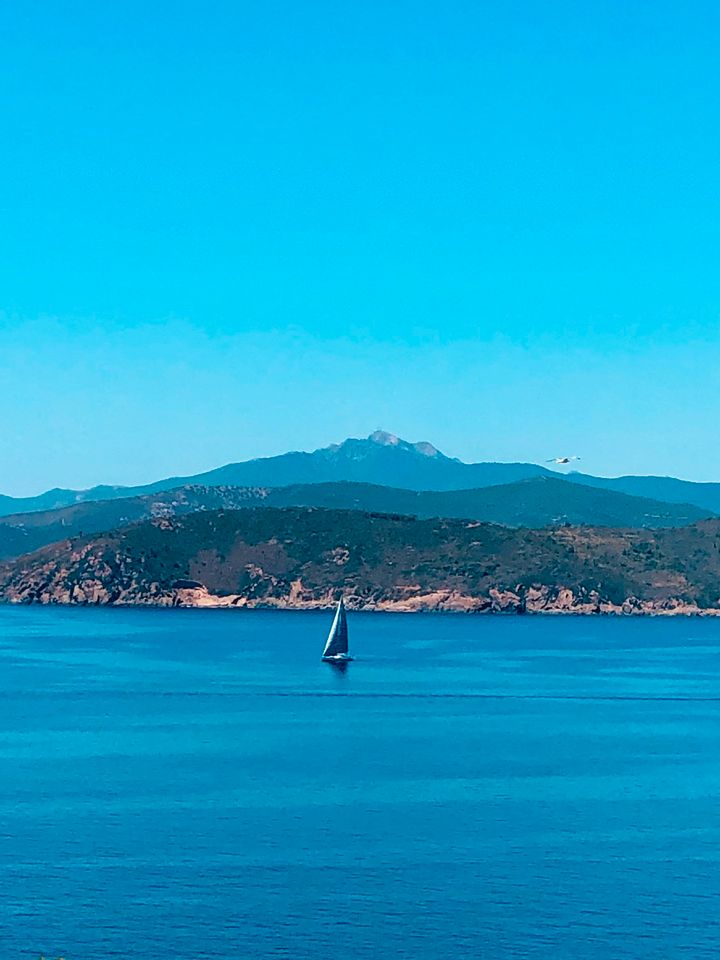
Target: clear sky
point(229, 229)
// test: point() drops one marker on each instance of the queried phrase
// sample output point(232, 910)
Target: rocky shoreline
point(498, 602)
point(536, 600)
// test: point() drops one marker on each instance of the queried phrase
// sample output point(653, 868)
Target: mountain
point(706, 496)
point(303, 557)
point(23, 532)
point(537, 502)
point(530, 503)
point(381, 459)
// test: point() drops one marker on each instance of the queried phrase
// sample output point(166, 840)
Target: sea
point(197, 784)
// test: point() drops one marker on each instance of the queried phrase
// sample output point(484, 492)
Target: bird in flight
point(562, 459)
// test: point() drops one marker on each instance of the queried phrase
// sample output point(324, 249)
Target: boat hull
point(342, 658)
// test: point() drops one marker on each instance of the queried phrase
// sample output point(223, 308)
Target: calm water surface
point(196, 784)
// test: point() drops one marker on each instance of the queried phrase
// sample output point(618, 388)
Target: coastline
point(535, 601)
point(298, 559)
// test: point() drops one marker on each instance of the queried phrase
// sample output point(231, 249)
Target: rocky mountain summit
point(362, 449)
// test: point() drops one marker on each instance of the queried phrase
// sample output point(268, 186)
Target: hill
point(539, 502)
point(706, 496)
point(23, 532)
point(298, 557)
point(531, 503)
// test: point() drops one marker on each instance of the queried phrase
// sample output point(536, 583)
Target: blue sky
point(230, 229)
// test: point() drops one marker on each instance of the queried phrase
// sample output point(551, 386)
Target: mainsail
point(337, 641)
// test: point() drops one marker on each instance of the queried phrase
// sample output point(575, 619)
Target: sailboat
point(336, 648)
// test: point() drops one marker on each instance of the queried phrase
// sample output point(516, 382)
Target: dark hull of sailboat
point(339, 658)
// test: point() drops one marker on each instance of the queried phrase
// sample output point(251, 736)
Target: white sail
point(337, 641)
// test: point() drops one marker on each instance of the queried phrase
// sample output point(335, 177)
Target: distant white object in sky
point(562, 459)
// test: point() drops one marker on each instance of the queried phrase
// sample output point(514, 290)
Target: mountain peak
point(384, 438)
point(427, 449)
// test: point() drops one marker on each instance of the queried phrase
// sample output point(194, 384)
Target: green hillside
point(297, 557)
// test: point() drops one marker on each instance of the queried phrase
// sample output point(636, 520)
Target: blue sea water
point(196, 784)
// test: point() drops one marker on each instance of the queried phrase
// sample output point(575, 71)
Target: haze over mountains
point(383, 460)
